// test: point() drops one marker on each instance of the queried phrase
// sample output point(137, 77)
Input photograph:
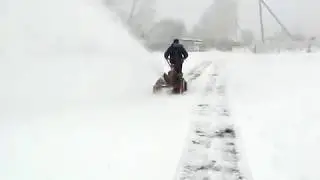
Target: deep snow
point(274, 101)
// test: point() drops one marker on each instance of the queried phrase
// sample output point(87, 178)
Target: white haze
point(300, 16)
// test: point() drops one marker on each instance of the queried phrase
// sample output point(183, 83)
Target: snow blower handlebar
point(168, 62)
point(170, 65)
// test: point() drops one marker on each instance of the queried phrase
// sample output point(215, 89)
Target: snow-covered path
point(271, 106)
point(211, 150)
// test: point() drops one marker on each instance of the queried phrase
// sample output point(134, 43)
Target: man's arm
point(167, 53)
point(184, 53)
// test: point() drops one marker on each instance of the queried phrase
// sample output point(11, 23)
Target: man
point(176, 54)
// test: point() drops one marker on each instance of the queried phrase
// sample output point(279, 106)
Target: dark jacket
point(176, 53)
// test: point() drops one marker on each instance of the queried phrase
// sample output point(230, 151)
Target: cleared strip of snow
point(274, 100)
point(212, 149)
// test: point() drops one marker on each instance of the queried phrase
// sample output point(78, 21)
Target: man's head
point(176, 41)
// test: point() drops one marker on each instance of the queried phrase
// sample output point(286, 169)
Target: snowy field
point(76, 101)
point(275, 103)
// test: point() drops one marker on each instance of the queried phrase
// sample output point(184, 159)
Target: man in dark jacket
point(176, 54)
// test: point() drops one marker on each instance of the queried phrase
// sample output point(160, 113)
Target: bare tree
point(132, 10)
point(138, 15)
point(247, 37)
point(218, 21)
point(163, 32)
point(142, 19)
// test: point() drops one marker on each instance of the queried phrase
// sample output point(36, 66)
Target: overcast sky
point(300, 16)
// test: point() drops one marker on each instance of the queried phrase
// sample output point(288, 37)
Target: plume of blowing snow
point(64, 66)
point(63, 53)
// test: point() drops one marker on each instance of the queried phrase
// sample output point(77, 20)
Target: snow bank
point(274, 100)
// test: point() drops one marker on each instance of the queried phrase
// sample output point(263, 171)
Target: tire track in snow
point(211, 151)
point(197, 71)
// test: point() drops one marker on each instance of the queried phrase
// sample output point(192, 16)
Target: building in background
point(192, 45)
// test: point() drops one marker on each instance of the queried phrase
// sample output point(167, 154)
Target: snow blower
point(171, 80)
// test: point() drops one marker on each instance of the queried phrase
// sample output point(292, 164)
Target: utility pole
point(275, 17)
point(132, 11)
point(261, 21)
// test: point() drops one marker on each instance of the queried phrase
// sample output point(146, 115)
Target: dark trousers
point(178, 67)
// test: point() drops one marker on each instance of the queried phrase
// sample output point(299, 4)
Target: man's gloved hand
point(167, 59)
